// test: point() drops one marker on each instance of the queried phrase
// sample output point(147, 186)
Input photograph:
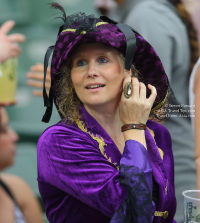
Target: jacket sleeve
point(136, 176)
point(72, 162)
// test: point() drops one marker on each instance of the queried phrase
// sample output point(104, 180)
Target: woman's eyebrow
point(97, 54)
point(76, 56)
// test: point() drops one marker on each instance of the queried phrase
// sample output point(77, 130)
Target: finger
point(40, 68)
point(142, 91)
point(135, 91)
point(127, 79)
point(37, 67)
point(38, 84)
point(153, 95)
point(35, 76)
point(37, 93)
point(6, 27)
point(16, 37)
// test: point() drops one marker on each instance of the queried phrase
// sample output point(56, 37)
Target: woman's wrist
point(135, 134)
point(139, 126)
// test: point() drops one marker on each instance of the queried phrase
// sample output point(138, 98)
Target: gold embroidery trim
point(83, 32)
point(159, 150)
point(161, 214)
point(101, 23)
point(161, 103)
point(100, 141)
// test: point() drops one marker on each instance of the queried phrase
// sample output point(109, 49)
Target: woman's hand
point(136, 109)
point(35, 79)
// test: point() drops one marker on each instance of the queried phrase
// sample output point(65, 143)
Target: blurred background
point(33, 19)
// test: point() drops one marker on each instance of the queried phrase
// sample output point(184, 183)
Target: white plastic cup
point(191, 206)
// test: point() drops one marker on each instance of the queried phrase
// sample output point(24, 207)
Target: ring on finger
point(128, 90)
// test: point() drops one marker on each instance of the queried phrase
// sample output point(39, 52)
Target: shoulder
point(24, 197)
point(63, 141)
point(61, 128)
point(13, 181)
point(150, 12)
point(62, 132)
point(195, 76)
point(18, 187)
point(154, 7)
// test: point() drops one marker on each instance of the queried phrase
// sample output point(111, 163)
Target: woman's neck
point(109, 119)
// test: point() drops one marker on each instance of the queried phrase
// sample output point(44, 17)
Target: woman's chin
point(94, 103)
point(7, 164)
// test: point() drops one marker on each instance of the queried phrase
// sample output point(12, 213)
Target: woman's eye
point(81, 63)
point(103, 60)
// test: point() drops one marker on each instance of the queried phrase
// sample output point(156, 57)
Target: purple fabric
point(147, 62)
point(136, 175)
point(163, 170)
point(78, 184)
point(138, 157)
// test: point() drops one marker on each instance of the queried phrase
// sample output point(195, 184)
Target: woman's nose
point(92, 70)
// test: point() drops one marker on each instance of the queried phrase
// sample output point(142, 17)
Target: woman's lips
point(94, 87)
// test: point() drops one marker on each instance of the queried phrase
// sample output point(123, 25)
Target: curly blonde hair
point(66, 98)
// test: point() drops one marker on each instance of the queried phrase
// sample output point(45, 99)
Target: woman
point(100, 163)
point(17, 203)
point(194, 94)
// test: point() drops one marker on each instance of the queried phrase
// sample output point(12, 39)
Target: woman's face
point(8, 138)
point(97, 74)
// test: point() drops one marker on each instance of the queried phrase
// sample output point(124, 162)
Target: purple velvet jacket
point(83, 178)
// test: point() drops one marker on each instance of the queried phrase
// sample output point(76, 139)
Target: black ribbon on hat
point(48, 101)
point(130, 44)
point(130, 40)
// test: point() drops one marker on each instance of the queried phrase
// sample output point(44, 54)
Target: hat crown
point(81, 22)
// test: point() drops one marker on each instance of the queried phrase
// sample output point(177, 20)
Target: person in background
point(17, 203)
point(194, 96)
point(193, 7)
point(104, 6)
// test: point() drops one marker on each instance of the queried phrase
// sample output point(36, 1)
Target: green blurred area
point(36, 21)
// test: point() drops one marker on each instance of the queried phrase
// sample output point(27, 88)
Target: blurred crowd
point(172, 27)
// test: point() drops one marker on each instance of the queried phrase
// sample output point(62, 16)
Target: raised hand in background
point(9, 44)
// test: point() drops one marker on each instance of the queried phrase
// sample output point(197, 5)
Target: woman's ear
point(127, 73)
